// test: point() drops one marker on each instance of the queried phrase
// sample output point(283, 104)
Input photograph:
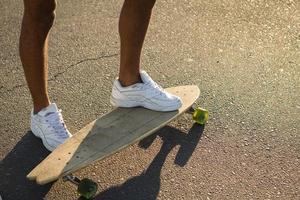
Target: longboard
point(107, 135)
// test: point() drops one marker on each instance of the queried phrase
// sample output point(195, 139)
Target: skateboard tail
point(42, 181)
point(31, 176)
point(35, 176)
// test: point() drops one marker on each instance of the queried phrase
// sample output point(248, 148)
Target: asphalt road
point(245, 57)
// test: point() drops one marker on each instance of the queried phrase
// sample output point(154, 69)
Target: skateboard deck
point(107, 135)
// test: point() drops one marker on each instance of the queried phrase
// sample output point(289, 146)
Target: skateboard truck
point(73, 179)
point(87, 188)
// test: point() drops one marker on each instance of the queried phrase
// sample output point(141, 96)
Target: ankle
point(38, 107)
point(129, 80)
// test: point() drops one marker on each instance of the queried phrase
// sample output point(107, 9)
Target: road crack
point(55, 76)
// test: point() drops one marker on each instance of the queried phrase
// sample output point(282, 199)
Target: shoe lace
point(155, 88)
point(56, 122)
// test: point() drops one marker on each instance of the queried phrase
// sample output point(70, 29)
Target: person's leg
point(46, 119)
point(133, 24)
point(37, 21)
point(142, 90)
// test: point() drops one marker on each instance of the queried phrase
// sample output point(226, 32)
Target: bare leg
point(37, 22)
point(133, 24)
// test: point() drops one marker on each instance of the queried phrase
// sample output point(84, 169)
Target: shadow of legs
point(146, 186)
point(27, 153)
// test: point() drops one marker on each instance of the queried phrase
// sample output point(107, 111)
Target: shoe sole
point(131, 104)
point(34, 131)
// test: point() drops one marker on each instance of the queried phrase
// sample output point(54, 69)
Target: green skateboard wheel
point(200, 116)
point(87, 188)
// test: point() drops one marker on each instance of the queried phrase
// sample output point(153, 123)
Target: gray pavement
point(244, 56)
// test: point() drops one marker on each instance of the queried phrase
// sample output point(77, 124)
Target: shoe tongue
point(145, 77)
point(52, 108)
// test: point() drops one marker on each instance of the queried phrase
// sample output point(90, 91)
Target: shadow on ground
point(27, 153)
point(146, 186)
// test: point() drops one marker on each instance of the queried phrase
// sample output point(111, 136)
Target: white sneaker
point(147, 94)
point(49, 125)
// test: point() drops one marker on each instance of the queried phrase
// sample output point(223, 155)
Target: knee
point(143, 5)
point(148, 4)
point(41, 12)
point(45, 13)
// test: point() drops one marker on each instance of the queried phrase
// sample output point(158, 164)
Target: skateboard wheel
point(87, 188)
point(200, 116)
